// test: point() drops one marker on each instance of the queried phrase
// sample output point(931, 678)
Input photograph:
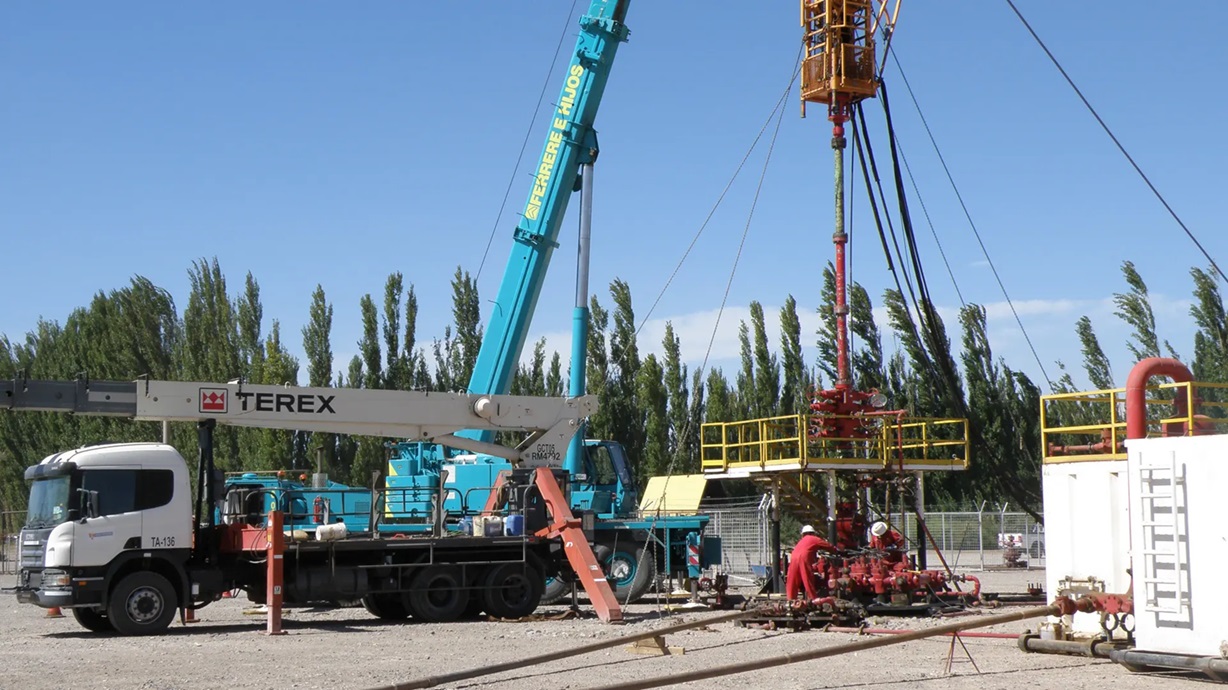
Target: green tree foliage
point(209, 349)
point(826, 360)
point(765, 401)
point(653, 397)
point(626, 411)
point(1211, 339)
point(317, 346)
point(722, 405)
point(554, 377)
point(745, 390)
point(276, 448)
point(1134, 307)
point(1003, 411)
point(370, 455)
point(677, 395)
point(867, 355)
point(457, 353)
point(597, 374)
point(397, 369)
point(796, 389)
point(1095, 363)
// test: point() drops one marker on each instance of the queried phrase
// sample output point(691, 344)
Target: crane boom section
point(385, 413)
point(570, 142)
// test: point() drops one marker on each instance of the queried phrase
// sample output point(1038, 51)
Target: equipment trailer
point(115, 534)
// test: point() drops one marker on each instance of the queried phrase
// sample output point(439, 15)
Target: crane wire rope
point(720, 199)
point(968, 215)
point(528, 133)
point(778, 113)
point(1116, 142)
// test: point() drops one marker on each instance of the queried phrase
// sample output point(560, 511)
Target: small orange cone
point(54, 612)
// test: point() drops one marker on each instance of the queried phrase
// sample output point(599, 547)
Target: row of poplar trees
point(654, 403)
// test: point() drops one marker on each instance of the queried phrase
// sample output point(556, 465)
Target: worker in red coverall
point(802, 562)
point(883, 538)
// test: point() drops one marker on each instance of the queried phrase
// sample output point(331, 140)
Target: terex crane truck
point(115, 534)
point(632, 549)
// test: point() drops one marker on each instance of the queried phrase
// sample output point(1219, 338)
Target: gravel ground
point(346, 648)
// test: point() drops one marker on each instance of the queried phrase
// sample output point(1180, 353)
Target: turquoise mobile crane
point(632, 548)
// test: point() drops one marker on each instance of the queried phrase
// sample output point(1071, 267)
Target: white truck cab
point(95, 514)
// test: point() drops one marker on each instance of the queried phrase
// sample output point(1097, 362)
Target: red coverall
point(801, 565)
point(892, 542)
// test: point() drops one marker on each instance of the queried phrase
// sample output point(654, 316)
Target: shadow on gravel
point(615, 662)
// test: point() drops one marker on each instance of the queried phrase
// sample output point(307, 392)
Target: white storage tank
point(1087, 531)
point(1177, 500)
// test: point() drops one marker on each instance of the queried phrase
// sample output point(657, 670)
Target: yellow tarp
point(676, 495)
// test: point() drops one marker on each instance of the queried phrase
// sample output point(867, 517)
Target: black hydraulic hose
point(865, 174)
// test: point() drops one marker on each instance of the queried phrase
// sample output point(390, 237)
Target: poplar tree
point(370, 455)
point(794, 393)
point(653, 397)
point(597, 375)
point(317, 346)
point(627, 414)
point(676, 392)
point(766, 394)
point(1095, 363)
point(867, 357)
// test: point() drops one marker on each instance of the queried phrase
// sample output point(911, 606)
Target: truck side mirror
point(89, 504)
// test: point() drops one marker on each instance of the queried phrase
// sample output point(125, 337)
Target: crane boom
point(386, 413)
point(571, 141)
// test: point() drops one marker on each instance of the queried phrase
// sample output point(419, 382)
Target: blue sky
point(334, 143)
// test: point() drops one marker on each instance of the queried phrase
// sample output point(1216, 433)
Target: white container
point(1087, 532)
point(493, 526)
point(331, 532)
point(1178, 539)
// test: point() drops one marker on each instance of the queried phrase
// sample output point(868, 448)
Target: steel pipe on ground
point(892, 631)
point(432, 681)
point(837, 650)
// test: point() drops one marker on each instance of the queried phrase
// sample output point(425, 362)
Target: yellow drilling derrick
point(839, 66)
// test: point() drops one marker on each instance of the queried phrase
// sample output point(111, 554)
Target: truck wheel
point(512, 590)
point(439, 595)
point(93, 620)
point(142, 604)
point(555, 590)
point(630, 570)
point(388, 607)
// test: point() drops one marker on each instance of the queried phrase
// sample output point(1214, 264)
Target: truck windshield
point(48, 502)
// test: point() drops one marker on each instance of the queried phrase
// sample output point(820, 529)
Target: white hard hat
point(807, 529)
point(878, 529)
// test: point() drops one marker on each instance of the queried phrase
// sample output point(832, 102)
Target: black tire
point(93, 620)
point(512, 590)
point(142, 604)
point(438, 595)
point(388, 607)
point(630, 569)
point(555, 590)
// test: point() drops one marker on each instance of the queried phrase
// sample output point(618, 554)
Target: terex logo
point(213, 400)
point(286, 402)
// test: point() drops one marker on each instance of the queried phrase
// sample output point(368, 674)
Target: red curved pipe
point(1136, 391)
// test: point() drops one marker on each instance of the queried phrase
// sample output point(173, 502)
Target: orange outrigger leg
point(580, 555)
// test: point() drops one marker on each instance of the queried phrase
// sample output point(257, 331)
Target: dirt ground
point(346, 648)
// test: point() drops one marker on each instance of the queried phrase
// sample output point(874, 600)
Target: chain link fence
point(743, 526)
point(987, 538)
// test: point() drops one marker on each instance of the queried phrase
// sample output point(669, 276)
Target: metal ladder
point(1164, 569)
